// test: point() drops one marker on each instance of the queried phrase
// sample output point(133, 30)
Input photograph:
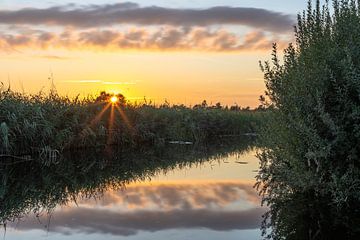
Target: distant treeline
point(47, 124)
point(204, 105)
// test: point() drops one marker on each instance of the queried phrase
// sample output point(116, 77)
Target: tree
point(312, 142)
point(105, 97)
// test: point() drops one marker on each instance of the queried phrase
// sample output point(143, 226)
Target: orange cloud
point(165, 38)
point(169, 196)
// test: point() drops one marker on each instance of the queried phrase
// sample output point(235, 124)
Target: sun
point(114, 99)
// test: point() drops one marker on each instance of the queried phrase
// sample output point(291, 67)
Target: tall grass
point(48, 124)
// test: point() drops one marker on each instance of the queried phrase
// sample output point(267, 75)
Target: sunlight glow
point(124, 118)
point(99, 116)
point(111, 124)
point(114, 99)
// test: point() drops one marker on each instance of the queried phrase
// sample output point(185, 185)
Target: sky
point(182, 51)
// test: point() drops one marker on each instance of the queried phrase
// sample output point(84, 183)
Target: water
point(202, 197)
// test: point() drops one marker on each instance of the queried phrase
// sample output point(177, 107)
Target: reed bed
point(47, 124)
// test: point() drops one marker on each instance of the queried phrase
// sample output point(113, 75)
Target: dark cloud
point(129, 223)
point(131, 13)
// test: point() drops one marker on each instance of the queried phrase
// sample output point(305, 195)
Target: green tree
point(312, 143)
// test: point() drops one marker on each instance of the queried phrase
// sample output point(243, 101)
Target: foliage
point(46, 125)
point(312, 142)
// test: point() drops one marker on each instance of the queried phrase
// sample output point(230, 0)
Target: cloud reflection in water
point(214, 205)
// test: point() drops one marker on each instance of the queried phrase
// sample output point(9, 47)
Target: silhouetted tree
point(204, 104)
point(105, 97)
point(218, 105)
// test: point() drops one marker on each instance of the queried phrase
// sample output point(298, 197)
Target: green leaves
point(313, 138)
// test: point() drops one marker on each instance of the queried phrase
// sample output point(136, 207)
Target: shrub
point(312, 143)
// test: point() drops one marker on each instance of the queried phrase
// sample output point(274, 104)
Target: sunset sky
point(180, 50)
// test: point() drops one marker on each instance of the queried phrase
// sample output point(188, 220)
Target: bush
point(312, 143)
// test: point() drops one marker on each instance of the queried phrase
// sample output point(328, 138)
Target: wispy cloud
point(83, 81)
point(132, 13)
point(119, 83)
point(99, 82)
point(54, 57)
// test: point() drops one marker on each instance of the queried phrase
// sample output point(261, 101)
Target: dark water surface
point(178, 194)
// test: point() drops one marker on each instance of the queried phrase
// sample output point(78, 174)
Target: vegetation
point(46, 125)
point(33, 187)
point(310, 165)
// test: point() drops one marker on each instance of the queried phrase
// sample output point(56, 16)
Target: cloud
point(175, 29)
point(163, 38)
point(212, 205)
point(54, 57)
point(204, 195)
point(99, 82)
point(131, 13)
point(129, 223)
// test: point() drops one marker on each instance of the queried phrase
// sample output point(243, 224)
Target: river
point(208, 199)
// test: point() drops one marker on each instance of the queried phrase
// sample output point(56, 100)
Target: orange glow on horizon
point(181, 78)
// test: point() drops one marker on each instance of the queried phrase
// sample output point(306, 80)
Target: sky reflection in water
point(214, 200)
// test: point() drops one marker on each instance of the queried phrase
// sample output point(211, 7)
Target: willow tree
point(310, 165)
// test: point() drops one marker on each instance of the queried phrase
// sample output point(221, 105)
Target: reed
point(47, 124)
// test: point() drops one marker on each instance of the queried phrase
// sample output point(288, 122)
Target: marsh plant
point(47, 124)
point(310, 165)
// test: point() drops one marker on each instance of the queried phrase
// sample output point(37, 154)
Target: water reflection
point(213, 206)
point(113, 194)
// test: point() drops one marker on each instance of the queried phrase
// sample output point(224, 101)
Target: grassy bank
point(49, 124)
